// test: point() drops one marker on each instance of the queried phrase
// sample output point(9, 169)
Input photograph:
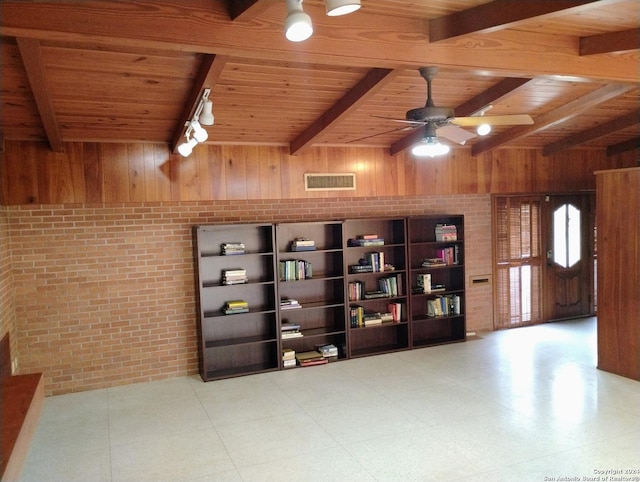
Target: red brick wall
point(104, 294)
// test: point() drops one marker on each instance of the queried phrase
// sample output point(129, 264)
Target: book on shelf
point(308, 358)
point(356, 314)
point(328, 351)
point(355, 242)
point(449, 256)
point(395, 309)
point(443, 306)
point(371, 319)
point(233, 248)
point(289, 304)
point(295, 269)
point(372, 295)
point(391, 285)
point(356, 290)
point(424, 282)
point(303, 244)
point(288, 358)
point(235, 306)
point(360, 268)
point(446, 232)
point(430, 262)
point(287, 335)
point(234, 276)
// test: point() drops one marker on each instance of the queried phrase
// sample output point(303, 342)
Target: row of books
point(234, 276)
point(444, 306)
point(303, 244)
point(446, 232)
point(235, 306)
point(295, 269)
point(233, 248)
point(358, 318)
point(389, 286)
point(322, 355)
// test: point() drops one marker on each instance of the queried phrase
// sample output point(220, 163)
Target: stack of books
point(309, 358)
point(234, 276)
point(431, 262)
point(288, 357)
point(366, 240)
point(289, 304)
point(446, 232)
point(371, 319)
point(329, 351)
point(236, 306)
point(290, 330)
point(233, 248)
point(303, 244)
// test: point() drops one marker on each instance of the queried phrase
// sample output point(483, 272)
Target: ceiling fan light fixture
point(206, 117)
point(341, 7)
point(430, 147)
point(297, 25)
point(483, 129)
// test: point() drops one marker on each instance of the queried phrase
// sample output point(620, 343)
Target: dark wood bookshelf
point(449, 326)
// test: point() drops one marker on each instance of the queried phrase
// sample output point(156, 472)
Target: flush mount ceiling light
point(297, 25)
point(430, 146)
point(341, 7)
point(195, 133)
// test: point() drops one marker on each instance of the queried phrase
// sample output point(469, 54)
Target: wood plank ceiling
point(133, 71)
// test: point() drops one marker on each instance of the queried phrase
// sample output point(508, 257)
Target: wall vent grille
point(330, 181)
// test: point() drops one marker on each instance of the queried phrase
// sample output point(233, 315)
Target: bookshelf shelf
point(447, 302)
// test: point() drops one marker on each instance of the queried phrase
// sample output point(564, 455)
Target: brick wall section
point(7, 310)
point(104, 294)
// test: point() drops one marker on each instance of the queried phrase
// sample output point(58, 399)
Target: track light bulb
point(341, 7)
point(206, 116)
point(199, 133)
point(297, 25)
point(186, 148)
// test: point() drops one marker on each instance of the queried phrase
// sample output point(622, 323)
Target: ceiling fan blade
point(406, 128)
point(493, 120)
point(455, 133)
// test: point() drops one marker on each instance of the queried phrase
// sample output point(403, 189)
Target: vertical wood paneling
point(90, 172)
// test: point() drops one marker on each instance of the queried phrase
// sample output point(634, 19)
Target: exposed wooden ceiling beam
point(610, 42)
point(549, 119)
point(625, 146)
point(620, 123)
point(208, 75)
point(499, 91)
point(31, 54)
point(204, 27)
point(499, 14)
point(373, 81)
point(246, 10)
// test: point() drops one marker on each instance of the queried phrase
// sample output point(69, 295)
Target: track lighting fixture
point(195, 133)
point(430, 146)
point(297, 25)
point(341, 7)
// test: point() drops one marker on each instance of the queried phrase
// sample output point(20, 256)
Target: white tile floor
point(519, 405)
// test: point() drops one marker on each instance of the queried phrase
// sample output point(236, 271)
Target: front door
point(567, 284)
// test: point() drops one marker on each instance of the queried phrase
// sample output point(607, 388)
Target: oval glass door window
point(566, 236)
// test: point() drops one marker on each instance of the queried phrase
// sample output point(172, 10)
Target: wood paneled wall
point(117, 173)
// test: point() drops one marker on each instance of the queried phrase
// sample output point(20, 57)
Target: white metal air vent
point(330, 181)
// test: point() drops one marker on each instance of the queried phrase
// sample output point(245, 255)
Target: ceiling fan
point(442, 121)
